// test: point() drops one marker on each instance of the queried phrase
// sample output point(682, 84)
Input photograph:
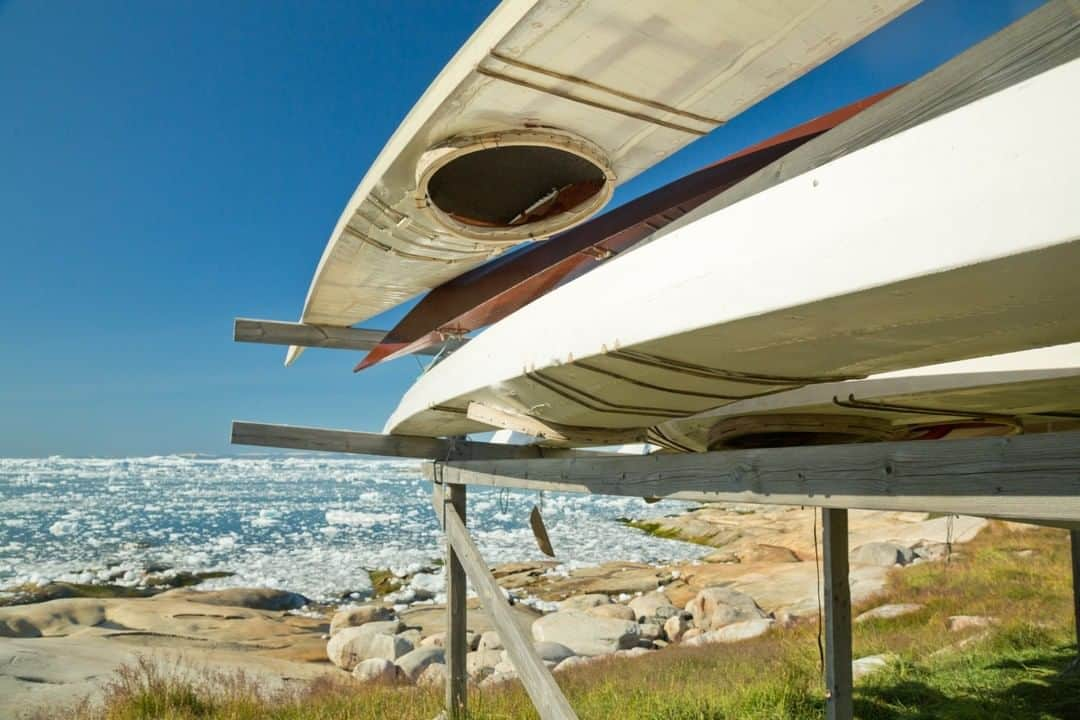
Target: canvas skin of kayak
point(1022, 392)
point(867, 264)
point(546, 108)
point(496, 289)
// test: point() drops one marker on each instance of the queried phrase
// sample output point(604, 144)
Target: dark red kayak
point(492, 291)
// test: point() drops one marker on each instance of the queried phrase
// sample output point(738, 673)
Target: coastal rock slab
point(586, 634)
point(715, 607)
point(254, 598)
point(353, 645)
point(584, 602)
point(414, 662)
point(357, 616)
point(882, 554)
point(613, 610)
point(887, 612)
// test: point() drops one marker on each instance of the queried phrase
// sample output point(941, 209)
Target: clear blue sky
point(166, 166)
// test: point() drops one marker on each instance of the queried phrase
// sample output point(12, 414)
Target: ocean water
point(314, 525)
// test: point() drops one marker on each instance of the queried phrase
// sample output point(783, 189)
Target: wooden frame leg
point(837, 616)
point(1074, 537)
point(456, 618)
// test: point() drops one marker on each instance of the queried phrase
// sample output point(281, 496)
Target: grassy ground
point(1016, 671)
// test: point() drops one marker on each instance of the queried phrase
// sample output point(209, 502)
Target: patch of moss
point(383, 582)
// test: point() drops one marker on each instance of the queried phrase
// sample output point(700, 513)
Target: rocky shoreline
point(758, 575)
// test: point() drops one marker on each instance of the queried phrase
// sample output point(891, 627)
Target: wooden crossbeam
point(548, 699)
point(363, 443)
point(276, 332)
point(1027, 477)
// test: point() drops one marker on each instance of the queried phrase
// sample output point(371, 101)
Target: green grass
point(1016, 671)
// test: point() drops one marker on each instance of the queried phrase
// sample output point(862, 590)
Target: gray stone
point(479, 661)
point(866, 665)
point(352, 645)
point(882, 554)
point(886, 612)
point(414, 662)
point(490, 640)
point(552, 651)
point(959, 623)
point(585, 634)
point(645, 606)
point(357, 616)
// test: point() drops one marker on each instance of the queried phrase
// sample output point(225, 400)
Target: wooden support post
point(544, 692)
point(837, 616)
point(1074, 537)
point(456, 620)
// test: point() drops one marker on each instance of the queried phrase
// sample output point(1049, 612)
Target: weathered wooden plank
point(456, 621)
point(548, 699)
point(363, 443)
point(1018, 478)
point(1039, 41)
point(276, 332)
point(838, 671)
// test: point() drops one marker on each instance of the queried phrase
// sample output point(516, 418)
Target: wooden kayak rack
point(1026, 478)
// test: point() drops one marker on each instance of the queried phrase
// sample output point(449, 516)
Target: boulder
point(550, 651)
point(413, 663)
point(715, 607)
point(254, 598)
point(385, 627)
point(650, 631)
point(676, 626)
point(959, 623)
point(439, 640)
point(613, 610)
point(645, 606)
point(931, 551)
point(585, 634)
point(412, 635)
point(692, 633)
point(576, 661)
point(434, 675)
point(882, 554)
point(632, 652)
point(353, 645)
point(584, 602)
point(870, 664)
point(376, 670)
point(498, 679)
point(490, 640)
point(886, 612)
point(735, 632)
point(357, 616)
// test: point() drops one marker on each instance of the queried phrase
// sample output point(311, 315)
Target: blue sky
point(165, 167)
